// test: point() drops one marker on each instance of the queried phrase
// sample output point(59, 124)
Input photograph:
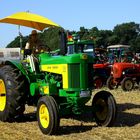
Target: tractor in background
point(116, 52)
point(105, 61)
point(125, 73)
point(57, 85)
point(102, 73)
point(126, 70)
point(101, 67)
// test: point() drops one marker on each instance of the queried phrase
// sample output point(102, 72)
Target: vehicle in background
point(101, 55)
point(116, 52)
point(125, 69)
point(9, 54)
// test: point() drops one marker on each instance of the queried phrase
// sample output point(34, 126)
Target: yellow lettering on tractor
point(59, 69)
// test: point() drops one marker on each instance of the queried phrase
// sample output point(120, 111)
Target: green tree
point(126, 32)
point(135, 44)
point(16, 42)
point(83, 33)
point(51, 38)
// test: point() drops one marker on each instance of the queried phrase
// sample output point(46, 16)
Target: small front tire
point(48, 115)
point(127, 84)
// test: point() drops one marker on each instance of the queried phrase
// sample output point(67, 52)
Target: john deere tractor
point(56, 85)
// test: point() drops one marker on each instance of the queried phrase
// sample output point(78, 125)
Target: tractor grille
point(74, 76)
point(90, 75)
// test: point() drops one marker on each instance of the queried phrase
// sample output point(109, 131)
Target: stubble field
point(126, 127)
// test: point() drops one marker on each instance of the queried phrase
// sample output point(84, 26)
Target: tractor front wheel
point(104, 108)
point(127, 84)
point(48, 115)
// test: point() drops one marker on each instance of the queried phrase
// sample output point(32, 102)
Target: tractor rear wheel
point(104, 108)
point(12, 96)
point(127, 84)
point(48, 115)
point(111, 84)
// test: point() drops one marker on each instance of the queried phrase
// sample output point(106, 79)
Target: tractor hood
point(67, 59)
point(118, 68)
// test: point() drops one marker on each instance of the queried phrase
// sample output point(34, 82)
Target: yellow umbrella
point(29, 20)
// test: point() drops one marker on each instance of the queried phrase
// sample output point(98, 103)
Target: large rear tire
point(12, 96)
point(48, 115)
point(104, 108)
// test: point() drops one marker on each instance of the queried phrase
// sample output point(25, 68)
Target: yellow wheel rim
point(44, 116)
point(2, 95)
point(103, 111)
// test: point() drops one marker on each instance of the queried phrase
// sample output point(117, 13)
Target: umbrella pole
point(20, 35)
point(21, 51)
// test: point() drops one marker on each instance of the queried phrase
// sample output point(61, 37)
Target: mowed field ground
point(126, 127)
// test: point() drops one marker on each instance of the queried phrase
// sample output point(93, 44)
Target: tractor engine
point(67, 78)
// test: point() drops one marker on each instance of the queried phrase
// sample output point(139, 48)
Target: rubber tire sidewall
point(108, 83)
point(123, 84)
point(51, 106)
point(112, 108)
point(15, 96)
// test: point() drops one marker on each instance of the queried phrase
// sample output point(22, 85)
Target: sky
point(70, 14)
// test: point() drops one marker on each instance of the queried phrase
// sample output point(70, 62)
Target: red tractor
point(101, 68)
point(124, 74)
point(101, 72)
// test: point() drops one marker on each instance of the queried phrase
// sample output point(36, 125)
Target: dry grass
point(126, 127)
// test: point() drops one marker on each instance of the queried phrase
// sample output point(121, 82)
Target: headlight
point(85, 93)
point(84, 56)
point(123, 72)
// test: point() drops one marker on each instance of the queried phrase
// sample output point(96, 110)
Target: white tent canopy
point(118, 46)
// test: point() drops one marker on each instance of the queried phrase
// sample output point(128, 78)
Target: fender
point(18, 65)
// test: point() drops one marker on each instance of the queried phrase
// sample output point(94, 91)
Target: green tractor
point(57, 85)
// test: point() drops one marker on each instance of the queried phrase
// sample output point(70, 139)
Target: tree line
point(125, 33)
